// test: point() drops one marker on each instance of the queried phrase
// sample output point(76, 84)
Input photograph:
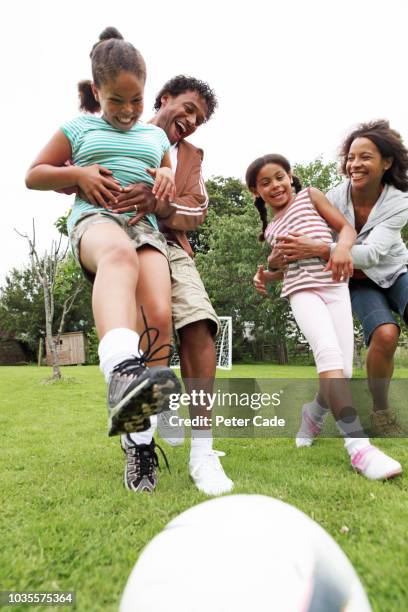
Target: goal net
point(223, 346)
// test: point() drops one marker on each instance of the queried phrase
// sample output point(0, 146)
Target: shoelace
point(148, 355)
point(144, 458)
point(164, 458)
point(141, 461)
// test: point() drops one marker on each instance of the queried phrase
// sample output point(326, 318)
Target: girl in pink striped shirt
point(320, 302)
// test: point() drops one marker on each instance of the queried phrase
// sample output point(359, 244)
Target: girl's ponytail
point(87, 100)
point(297, 185)
point(260, 205)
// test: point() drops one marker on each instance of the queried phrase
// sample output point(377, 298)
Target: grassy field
point(67, 523)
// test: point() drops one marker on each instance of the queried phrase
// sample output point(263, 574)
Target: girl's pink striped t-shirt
point(302, 217)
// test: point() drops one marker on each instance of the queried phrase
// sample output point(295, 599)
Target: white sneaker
point(208, 474)
point(172, 434)
point(374, 464)
point(310, 427)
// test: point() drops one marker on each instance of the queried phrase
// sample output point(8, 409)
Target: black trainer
point(141, 465)
point(136, 392)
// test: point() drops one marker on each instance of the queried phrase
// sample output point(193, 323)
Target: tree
point(317, 174)
point(69, 277)
point(46, 271)
point(22, 306)
point(61, 223)
point(227, 196)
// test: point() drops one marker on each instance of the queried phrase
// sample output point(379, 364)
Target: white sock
point(352, 444)
point(116, 346)
point(201, 443)
point(143, 437)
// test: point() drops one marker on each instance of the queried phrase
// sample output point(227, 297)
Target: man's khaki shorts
point(141, 234)
point(189, 299)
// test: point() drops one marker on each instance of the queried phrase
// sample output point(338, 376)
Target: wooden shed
point(71, 349)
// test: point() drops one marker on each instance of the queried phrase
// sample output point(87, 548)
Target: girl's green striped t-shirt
point(126, 153)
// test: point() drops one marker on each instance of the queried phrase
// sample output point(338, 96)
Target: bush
point(92, 357)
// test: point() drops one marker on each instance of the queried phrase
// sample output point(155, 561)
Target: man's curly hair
point(180, 84)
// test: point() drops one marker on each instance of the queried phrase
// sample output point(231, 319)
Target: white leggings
point(324, 317)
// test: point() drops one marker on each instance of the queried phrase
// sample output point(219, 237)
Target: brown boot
point(384, 424)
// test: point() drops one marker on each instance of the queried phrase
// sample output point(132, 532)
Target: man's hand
point(340, 263)
point(295, 246)
point(97, 185)
point(137, 197)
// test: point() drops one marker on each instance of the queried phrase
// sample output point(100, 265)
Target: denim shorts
point(373, 306)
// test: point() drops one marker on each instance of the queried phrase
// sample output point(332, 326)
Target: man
point(182, 105)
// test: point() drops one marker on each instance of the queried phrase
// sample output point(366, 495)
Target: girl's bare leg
point(107, 252)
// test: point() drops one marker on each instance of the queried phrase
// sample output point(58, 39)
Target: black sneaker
point(136, 392)
point(141, 465)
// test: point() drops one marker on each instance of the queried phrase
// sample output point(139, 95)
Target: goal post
point(223, 346)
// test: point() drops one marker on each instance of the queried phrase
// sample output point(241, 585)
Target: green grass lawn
point(67, 523)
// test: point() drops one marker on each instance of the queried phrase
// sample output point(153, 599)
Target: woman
point(374, 198)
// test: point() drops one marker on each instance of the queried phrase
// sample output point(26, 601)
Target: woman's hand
point(340, 263)
point(97, 185)
point(277, 260)
point(295, 246)
point(164, 185)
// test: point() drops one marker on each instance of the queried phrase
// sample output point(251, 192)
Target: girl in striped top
point(127, 262)
point(320, 302)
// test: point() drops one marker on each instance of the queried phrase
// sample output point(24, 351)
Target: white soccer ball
point(243, 552)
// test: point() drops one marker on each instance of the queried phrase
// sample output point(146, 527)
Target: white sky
point(291, 77)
